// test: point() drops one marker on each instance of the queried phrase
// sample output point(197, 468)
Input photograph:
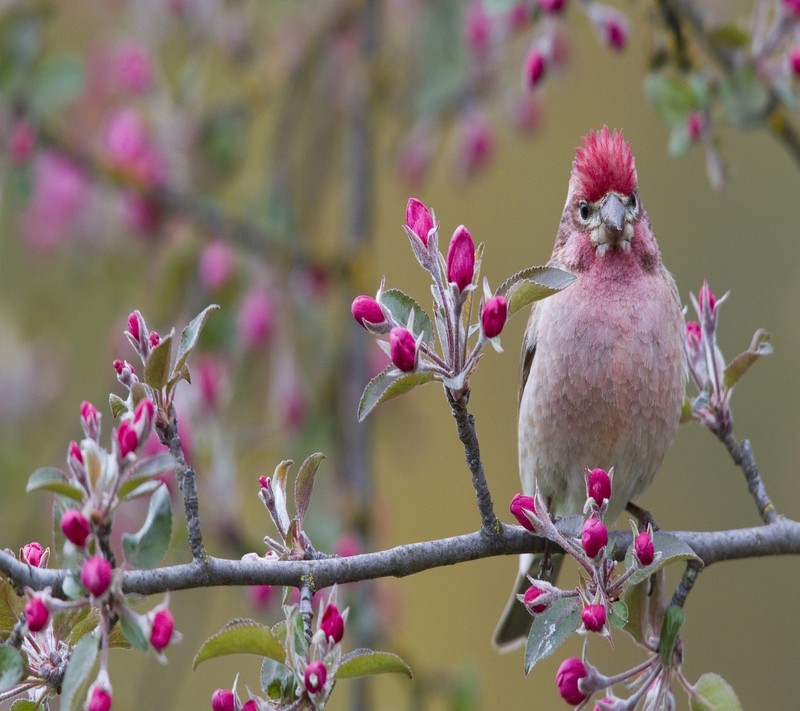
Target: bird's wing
point(528, 350)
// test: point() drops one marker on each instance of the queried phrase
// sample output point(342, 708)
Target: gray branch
point(779, 538)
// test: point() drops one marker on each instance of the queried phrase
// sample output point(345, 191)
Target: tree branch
point(779, 538)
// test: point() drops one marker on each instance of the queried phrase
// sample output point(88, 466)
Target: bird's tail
point(515, 622)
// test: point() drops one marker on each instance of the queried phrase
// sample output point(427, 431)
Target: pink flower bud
point(418, 219)
point(365, 308)
point(461, 258)
point(706, 298)
point(791, 7)
point(143, 420)
point(216, 265)
point(552, 6)
point(96, 575)
point(32, 553)
point(794, 61)
point(493, 316)
point(531, 594)
point(611, 24)
point(161, 631)
point(474, 143)
point(136, 326)
point(153, 339)
point(519, 505)
point(21, 142)
point(223, 700)
point(74, 454)
point(143, 214)
point(598, 486)
point(99, 699)
point(127, 438)
point(533, 69)
point(695, 124)
point(594, 617)
point(134, 68)
point(594, 536)
point(643, 548)
point(348, 545)
point(403, 349)
point(75, 527)
point(250, 706)
point(518, 15)
point(570, 672)
point(263, 481)
point(332, 624)
point(316, 676)
point(261, 596)
point(525, 110)
point(694, 333)
point(256, 318)
point(36, 614)
point(477, 28)
point(90, 420)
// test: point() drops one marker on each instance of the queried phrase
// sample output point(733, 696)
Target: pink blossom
point(32, 553)
point(477, 28)
point(365, 308)
point(525, 109)
point(594, 617)
point(90, 420)
point(210, 376)
point(134, 67)
point(643, 548)
point(695, 124)
point(96, 575)
point(127, 439)
point(403, 349)
point(36, 614)
point(474, 143)
point(598, 486)
point(261, 596)
point(461, 258)
point(128, 147)
point(315, 677)
point(332, 623)
point(611, 25)
point(348, 545)
point(521, 503)
point(494, 315)
point(256, 318)
point(21, 142)
point(570, 672)
point(531, 595)
point(552, 6)
point(162, 628)
point(533, 68)
point(99, 699)
point(141, 213)
point(216, 265)
point(594, 536)
point(75, 527)
point(418, 219)
point(223, 700)
point(794, 61)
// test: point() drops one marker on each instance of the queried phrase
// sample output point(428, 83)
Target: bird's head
point(603, 210)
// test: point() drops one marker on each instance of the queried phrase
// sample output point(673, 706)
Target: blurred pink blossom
point(216, 265)
point(133, 66)
point(474, 143)
point(128, 148)
point(21, 142)
point(256, 318)
point(60, 193)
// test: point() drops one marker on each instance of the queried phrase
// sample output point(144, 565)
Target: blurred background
point(167, 154)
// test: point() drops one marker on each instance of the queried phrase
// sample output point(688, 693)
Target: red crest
point(604, 162)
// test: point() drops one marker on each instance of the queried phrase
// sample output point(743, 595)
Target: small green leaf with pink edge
point(533, 284)
point(363, 662)
point(551, 629)
point(12, 668)
point(713, 693)
point(388, 384)
point(157, 365)
point(241, 636)
point(190, 335)
point(304, 484)
point(741, 363)
point(53, 479)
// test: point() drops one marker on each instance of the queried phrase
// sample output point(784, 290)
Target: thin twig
point(742, 455)
point(168, 434)
point(687, 583)
point(306, 606)
point(465, 423)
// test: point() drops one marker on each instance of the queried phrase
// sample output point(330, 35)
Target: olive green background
point(741, 618)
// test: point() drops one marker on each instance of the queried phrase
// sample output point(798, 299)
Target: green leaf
point(189, 337)
point(400, 305)
point(646, 603)
point(12, 668)
point(117, 404)
point(144, 471)
point(388, 384)
point(618, 615)
point(713, 694)
point(670, 628)
point(551, 629)
point(72, 586)
point(672, 549)
point(729, 38)
point(362, 662)
point(134, 631)
point(744, 98)
point(146, 547)
point(53, 479)
point(241, 637)
point(304, 484)
point(157, 365)
point(277, 680)
point(741, 363)
point(672, 97)
point(25, 705)
point(11, 606)
point(80, 665)
point(56, 83)
point(687, 410)
point(533, 284)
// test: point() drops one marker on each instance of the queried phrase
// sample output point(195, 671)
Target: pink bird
point(602, 372)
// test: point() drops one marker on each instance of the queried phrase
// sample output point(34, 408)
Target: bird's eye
point(583, 209)
point(633, 201)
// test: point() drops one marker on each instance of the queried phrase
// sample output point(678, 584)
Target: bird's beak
point(612, 213)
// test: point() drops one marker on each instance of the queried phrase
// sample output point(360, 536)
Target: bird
point(602, 373)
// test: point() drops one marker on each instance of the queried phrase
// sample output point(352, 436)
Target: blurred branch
point(779, 538)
